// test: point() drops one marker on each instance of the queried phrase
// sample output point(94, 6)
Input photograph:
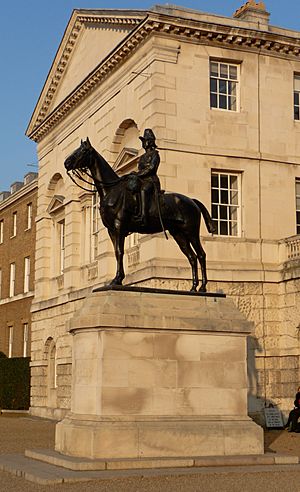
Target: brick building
point(17, 247)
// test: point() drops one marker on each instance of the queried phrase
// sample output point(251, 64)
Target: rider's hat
point(148, 135)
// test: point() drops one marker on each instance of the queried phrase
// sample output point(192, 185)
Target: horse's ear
point(88, 141)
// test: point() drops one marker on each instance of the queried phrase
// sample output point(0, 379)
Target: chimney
point(254, 12)
point(16, 186)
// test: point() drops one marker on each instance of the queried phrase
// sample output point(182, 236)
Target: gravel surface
point(19, 433)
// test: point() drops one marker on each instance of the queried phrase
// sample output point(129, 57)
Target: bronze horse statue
point(177, 213)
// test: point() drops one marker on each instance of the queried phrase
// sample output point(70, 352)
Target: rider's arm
point(151, 168)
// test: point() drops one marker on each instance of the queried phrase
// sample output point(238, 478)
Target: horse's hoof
point(115, 282)
point(202, 288)
point(193, 289)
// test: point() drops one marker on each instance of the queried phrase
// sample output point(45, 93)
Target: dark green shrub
point(15, 383)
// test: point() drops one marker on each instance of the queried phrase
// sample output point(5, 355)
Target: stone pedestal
point(158, 375)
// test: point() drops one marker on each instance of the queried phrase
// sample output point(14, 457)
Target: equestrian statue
point(135, 203)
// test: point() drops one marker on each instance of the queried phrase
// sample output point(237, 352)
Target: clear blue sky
point(30, 33)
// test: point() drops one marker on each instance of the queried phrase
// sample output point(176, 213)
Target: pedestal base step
point(74, 463)
point(43, 470)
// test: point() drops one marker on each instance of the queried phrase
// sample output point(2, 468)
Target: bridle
point(84, 170)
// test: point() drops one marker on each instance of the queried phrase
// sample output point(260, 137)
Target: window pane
point(222, 102)
point(234, 198)
point(296, 113)
point(216, 226)
point(222, 86)
point(233, 228)
point(214, 69)
point(296, 98)
point(297, 83)
point(215, 184)
point(232, 72)
point(224, 196)
point(224, 70)
point(223, 228)
point(215, 196)
point(298, 203)
point(233, 213)
point(224, 181)
point(214, 211)
point(213, 85)
point(213, 101)
point(232, 88)
point(231, 103)
point(298, 217)
point(233, 182)
point(298, 188)
point(223, 212)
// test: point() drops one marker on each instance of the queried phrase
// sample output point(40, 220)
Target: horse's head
point(80, 158)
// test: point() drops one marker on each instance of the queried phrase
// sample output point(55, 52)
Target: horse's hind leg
point(201, 255)
point(184, 245)
point(118, 242)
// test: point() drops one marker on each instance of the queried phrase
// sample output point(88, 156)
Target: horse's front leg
point(118, 239)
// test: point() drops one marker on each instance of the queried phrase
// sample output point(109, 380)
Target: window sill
point(233, 111)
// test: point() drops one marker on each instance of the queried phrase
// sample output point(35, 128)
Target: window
point(1, 230)
point(223, 85)
point(26, 274)
point(25, 339)
point(225, 203)
point(14, 225)
point(61, 230)
point(296, 97)
point(29, 215)
point(133, 240)
point(12, 279)
point(298, 206)
point(10, 340)
point(95, 226)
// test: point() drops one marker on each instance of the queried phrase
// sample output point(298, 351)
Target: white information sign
point(273, 417)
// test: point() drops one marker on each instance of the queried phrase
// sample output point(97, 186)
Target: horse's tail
point(206, 215)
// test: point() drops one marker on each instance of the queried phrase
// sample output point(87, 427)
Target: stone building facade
point(17, 255)
point(222, 96)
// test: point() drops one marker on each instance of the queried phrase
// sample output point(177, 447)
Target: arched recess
point(50, 357)
point(126, 147)
point(56, 178)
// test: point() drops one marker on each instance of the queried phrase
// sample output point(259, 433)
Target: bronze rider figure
point(147, 173)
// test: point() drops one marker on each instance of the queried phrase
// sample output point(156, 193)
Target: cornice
point(208, 33)
point(25, 190)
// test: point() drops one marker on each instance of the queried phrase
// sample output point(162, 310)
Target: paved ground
point(20, 433)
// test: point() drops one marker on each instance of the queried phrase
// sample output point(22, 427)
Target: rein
point(77, 174)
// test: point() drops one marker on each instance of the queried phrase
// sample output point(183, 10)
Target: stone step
point(43, 471)
point(74, 463)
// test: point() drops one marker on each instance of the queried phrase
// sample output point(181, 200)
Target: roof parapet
point(29, 177)
point(4, 195)
point(16, 186)
point(254, 12)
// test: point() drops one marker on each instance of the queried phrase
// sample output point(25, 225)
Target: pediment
point(56, 204)
point(125, 160)
point(89, 38)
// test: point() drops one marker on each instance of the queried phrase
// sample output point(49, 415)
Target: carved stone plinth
point(158, 375)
